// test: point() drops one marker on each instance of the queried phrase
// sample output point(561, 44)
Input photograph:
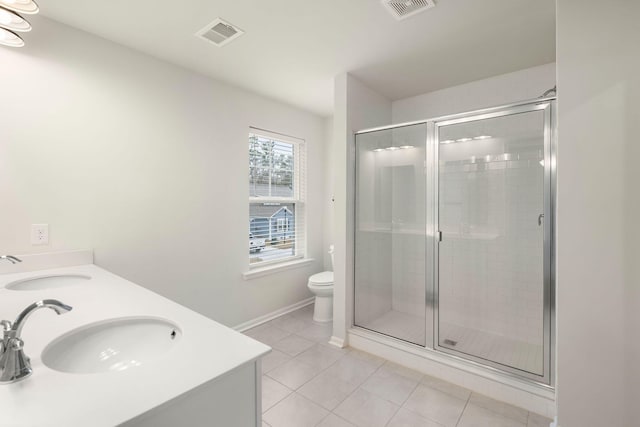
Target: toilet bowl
point(321, 285)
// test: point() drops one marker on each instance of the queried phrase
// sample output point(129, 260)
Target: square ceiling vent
point(403, 9)
point(220, 32)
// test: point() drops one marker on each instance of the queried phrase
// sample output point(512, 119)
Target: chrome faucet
point(10, 258)
point(14, 363)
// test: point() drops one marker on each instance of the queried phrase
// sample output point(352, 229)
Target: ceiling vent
point(403, 9)
point(220, 32)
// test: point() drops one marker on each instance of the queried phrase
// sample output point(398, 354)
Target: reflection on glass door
point(491, 258)
point(390, 222)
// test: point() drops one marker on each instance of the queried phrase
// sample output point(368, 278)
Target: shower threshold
point(495, 383)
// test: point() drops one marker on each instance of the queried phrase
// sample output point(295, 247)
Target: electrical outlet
point(39, 234)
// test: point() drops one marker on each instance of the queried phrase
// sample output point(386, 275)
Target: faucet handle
point(6, 325)
point(10, 258)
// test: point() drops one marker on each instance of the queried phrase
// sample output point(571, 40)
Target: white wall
point(598, 213)
point(499, 90)
point(329, 211)
point(146, 163)
point(356, 107)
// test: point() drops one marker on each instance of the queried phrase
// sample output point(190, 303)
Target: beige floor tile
point(273, 360)
point(365, 409)
point(351, 371)
point(320, 356)
point(390, 386)
point(435, 405)
point(476, 416)
point(295, 411)
point(374, 361)
point(272, 392)
point(327, 390)
point(291, 323)
point(406, 418)
point(293, 373)
point(498, 407)
point(293, 345)
point(334, 421)
point(267, 334)
point(317, 332)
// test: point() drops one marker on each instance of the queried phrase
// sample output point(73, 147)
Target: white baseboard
point(338, 342)
point(270, 316)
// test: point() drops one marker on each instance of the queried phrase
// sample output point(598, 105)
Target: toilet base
point(323, 309)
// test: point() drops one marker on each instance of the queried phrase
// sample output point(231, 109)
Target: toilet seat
point(322, 279)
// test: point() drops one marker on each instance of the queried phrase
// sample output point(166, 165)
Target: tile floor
point(307, 382)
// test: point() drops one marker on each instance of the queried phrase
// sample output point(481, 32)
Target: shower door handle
point(540, 218)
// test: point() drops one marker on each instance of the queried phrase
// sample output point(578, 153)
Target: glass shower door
point(491, 261)
point(390, 230)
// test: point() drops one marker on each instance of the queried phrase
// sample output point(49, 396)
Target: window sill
point(270, 269)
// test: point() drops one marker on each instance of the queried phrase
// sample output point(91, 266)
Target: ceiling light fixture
point(463, 139)
point(482, 137)
point(405, 147)
point(392, 148)
point(21, 6)
point(12, 21)
point(447, 141)
point(377, 150)
point(9, 38)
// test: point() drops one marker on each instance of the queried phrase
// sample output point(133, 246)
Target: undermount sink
point(47, 282)
point(112, 345)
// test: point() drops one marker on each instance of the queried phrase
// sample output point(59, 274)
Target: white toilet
point(321, 285)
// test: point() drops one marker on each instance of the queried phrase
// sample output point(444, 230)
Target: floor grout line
point(393, 415)
point(463, 409)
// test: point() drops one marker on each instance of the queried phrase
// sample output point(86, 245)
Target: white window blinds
point(277, 178)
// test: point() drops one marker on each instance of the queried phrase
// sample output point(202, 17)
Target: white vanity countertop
point(206, 351)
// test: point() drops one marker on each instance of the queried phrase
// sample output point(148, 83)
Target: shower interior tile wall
point(407, 294)
point(485, 284)
point(375, 244)
point(390, 238)
point(390, 247)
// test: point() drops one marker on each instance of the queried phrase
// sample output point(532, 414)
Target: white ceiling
point(292, 49)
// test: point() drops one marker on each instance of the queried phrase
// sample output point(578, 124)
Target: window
point(283, 224)
point(276, 198)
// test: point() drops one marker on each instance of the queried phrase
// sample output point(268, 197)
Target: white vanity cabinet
point(233, 400)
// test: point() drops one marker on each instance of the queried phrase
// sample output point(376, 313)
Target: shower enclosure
point(454, 236)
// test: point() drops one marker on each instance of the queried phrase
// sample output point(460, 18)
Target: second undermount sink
point(112, 345)
point(47, 282)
